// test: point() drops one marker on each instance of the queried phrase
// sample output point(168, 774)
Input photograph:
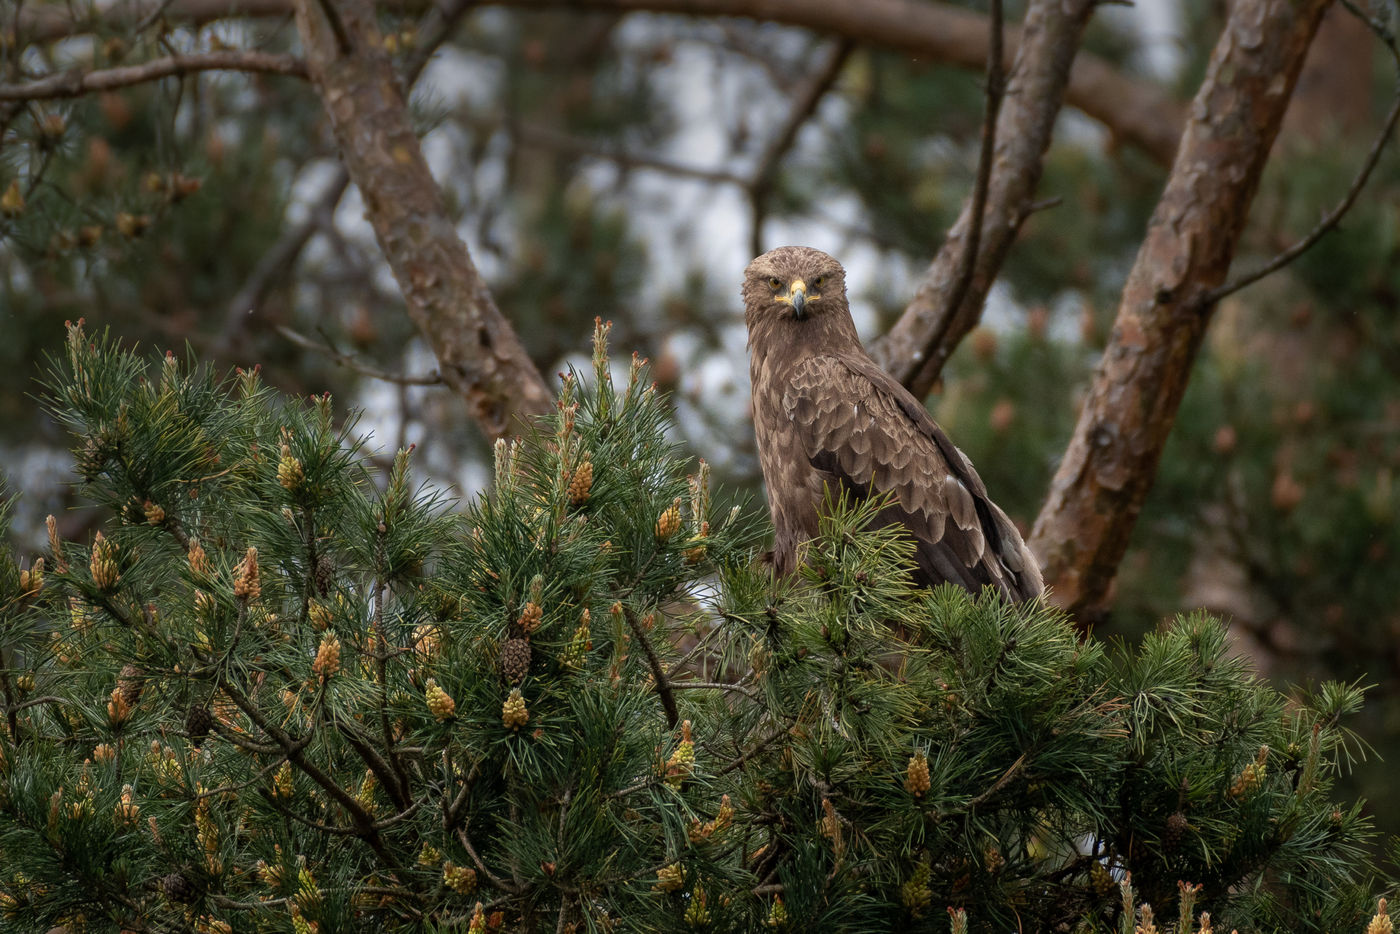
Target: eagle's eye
point(775, 282)
point(819, 281)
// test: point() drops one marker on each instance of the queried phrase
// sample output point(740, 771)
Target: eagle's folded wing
point(871, 437)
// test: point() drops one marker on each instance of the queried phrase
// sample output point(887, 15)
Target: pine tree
point(281, 692)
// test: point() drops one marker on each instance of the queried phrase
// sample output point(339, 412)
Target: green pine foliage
point(281, 691)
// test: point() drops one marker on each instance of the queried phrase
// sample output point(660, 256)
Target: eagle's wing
point(866, 432)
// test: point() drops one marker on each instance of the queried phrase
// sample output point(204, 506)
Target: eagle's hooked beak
point(797, 297)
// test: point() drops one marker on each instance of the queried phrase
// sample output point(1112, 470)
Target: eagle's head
point(794, 288)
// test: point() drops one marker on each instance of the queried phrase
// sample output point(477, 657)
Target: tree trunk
point(1082, 531)
point(479, 354)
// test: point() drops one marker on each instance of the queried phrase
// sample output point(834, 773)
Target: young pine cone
point(515, 659)
point(198, 722)
point(460, 879)
point(440, 703)
point(513, 712)
point(916, 781)
point(669, 522)
point(581, 483)
point(530, 617)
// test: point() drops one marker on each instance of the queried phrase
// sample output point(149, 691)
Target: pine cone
point(916, 780)
point(325, 574)
point(669, 522)
point(581, 483)
point(1176, 829)
point(515, 659)
point(130, 681)
point(514, 713)
point(530, 617)
point(198, 722)
point(440, 703)
point(460, 879)
point(178, 889)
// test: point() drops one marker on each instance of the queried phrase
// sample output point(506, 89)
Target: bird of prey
point(827, 417)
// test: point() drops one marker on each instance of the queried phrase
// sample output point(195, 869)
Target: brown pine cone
point(198, 722)
point(325, 574)
point(515, 659)
point(130, 681)
point(1176, 829)
point(178, 889)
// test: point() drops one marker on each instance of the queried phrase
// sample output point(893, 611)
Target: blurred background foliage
point(599, 165)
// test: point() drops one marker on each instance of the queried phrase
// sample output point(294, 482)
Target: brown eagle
point(827, 416)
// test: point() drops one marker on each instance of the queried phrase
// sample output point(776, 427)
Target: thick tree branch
point(1082, 532)
point(479, 354)
point(925, 335)
point(76, 82)
point(1137, 112)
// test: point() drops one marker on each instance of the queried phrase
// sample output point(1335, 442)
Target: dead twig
point(346, 360)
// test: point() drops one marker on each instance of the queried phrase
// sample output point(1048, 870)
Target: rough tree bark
point(1082, 531)
point(926, 334)
point(479, 354)
point(1137, 112)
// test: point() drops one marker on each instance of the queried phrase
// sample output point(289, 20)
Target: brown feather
point(827, 417)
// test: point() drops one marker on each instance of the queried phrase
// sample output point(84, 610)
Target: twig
point(754, 750)
point(34, 702)
point(809, 94)
point(967, 260)
point(352, 363)
point(491, 877)
point(235, 788)
point(714, 686)
point(576, 145)
point(1000, 783)
point(76, 83)
point(658, 671)
point(1333, 217)
point(156, 12)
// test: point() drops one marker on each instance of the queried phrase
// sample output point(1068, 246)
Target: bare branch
point(808, 95)
point(276, 263)
point(1082, 531)
point(925, 335)
point(1137, 112)
point(479, 355)
point(76, 82)
point(345, 360)
point(570, 144)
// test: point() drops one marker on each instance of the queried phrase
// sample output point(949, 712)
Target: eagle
point(827, 418)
